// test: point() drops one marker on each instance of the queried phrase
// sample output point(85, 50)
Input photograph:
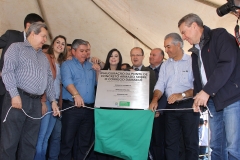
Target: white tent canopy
point(107, 24)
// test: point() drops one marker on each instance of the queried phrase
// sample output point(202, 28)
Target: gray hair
point(176, 38)
point(36, 28)
point(78, 42)
point(189, 19)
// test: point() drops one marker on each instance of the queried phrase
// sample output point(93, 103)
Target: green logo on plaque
point(124, 103)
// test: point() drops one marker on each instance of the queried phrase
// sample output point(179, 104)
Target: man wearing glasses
point(137, 56)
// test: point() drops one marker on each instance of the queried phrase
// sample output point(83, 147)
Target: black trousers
point(19, 132)
point(188, 122)
point(77, 124)
point(158, 138)
point(1, 104)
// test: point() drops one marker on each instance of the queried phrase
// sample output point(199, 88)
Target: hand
point(201, 98)
point(44, 108)
point(17, 102)
point(78, 101)
point(96, 67)
point(153, 106)
point(174, 97)
point(157, 114)
point(95, 60)
point(55, 109)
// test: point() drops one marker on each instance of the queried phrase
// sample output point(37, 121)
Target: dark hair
point(107, 64)
point(138, 48)
point(45, 46)
point(32, 17)
point(70, 45)
point(128, 65)
point(62, 57)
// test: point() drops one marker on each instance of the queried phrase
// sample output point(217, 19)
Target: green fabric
point(123, 133)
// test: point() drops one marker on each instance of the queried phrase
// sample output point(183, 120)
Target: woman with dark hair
point(113, 60)
point(56, 54)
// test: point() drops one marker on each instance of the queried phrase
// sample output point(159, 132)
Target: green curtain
point(123, 133)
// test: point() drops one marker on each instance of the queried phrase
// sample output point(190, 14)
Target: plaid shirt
point(28, 69)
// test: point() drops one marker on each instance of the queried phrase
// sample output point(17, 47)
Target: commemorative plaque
point(123, 89)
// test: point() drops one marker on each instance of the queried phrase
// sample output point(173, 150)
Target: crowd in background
point(40, 78)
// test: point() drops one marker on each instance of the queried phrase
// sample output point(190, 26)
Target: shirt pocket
point(184, 77)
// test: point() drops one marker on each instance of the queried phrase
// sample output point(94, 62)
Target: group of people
point(65, 76)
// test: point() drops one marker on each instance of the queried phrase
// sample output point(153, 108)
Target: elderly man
point(9, 37)
point(137, 56)
point(176, 81)
point(216, 70)
point(157, 141)
point(26, 75)
point(79, 81)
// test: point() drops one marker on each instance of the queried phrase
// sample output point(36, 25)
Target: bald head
point(156, 57)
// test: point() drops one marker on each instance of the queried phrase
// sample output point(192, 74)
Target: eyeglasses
point(137, 55)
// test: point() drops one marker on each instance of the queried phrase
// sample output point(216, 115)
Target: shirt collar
point(24, 35)
point(140, 67)
point(184, 58)
point(155, 67)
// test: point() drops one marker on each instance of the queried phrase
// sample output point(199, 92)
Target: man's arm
point(68, 83)
point(76, 96)
point(8, 75)
point(178, 96)
point(156, 96)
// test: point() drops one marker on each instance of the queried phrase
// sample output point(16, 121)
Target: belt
point(33, 96)
point(73, 104)
point(182, 101)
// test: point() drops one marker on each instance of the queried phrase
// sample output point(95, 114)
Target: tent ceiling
point(106, 24)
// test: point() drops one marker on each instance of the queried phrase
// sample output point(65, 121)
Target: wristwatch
point(183, 95)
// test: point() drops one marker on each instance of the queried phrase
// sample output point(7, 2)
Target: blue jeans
point(225, 132)
point(45, 131)
point(54, 141)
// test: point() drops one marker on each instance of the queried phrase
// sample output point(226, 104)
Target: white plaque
point(123, 89)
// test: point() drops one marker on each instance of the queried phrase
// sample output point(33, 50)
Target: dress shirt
point(83, 77)
point(139, 68)
point(27, 69)
point(202, 70)
point(175, 76)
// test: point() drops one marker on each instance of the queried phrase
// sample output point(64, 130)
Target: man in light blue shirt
point(79, 81)
point(176, 81)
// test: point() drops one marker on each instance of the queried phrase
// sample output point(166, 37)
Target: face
point(114, 59)
point(173, 51)
point(189, 33)
point(88, 51)
point(155, 57)
point(80, 53)
point(69, 51)
point(38, 40)
point(136, 57)
point(59, 45)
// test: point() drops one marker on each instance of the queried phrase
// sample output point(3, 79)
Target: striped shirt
point(175, 76)
point(27, 69)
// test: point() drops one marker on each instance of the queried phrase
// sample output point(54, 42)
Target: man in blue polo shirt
point(79, 81)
